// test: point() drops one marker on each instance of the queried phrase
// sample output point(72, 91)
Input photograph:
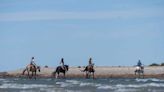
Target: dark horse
point(33, 69)
point(89, 70)
point(59, 70)
point(139, 70)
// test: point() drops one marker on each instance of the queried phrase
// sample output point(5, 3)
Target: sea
point(81, 85)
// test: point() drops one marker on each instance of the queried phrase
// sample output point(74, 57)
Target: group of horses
point(89, 70)
point(32, 70)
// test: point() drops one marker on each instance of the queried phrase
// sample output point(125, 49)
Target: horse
point(59, 70)
point(33, 69)
point(89, 70)
point(139, 70)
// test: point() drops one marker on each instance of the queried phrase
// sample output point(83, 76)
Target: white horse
point(140, 71)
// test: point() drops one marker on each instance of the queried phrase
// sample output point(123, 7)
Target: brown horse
point(33, 69)
point(89, 70)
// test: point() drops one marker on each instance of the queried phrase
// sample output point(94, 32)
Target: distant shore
point(100, 72)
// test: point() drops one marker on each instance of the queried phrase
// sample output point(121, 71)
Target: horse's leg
point(64, 75)
point(35, 75)
point(28, 74)
point(24, 71)
point(143, 74)
point(89, 75)
point(86, 75)
point(93, 75)
point(57, 75)
point(135, 72)
point(32, 74)
point(139, 74)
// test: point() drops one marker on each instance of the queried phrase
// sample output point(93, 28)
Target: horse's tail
point(54, 73)
point(24, 71)
point(86, 69)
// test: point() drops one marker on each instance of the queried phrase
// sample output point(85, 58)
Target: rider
point(62, 64)
point(32, 63)
point(139, 63)
point(90, 64)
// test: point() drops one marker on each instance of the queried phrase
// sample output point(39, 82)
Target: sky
point(112, 32)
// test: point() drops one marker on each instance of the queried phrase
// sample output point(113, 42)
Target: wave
point(105, 87)
point(23, 86)
point(126, 90)
point(140, 85)
point(149, 79)
point(63, 84)
point(1, 79)
point(73, 81)
point(129, 86)
point(86, 84)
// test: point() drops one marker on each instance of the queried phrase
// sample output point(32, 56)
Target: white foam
point(155, 84)
point(86, 84)
point(24, 86)
point(27, 91)
point(49, 90)
point(63, 84)
point(2, 79)
point(149, 79)
point(125, 90)
point(73, 81)
point(105, 87)
point(140, 85)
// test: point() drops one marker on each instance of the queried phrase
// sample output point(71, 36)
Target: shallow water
point(81, 85)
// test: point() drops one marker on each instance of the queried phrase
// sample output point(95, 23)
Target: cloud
point(52, 15)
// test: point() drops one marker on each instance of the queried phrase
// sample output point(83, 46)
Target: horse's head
point(38, 68)
point(142, 67)
point(67, 67)
point(90, 68)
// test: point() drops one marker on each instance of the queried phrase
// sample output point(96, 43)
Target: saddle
point(139, 68)
point(90, 68)
point(64, 68)
point(32, 66)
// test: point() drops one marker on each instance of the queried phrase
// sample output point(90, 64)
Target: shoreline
point(100, 72)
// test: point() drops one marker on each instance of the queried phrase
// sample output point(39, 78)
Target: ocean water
point(81, 85)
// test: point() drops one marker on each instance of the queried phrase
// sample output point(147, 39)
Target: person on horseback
point(139, 64)
point(139, 69)
point(90, 64)
point(62, 64)
point(32, 63)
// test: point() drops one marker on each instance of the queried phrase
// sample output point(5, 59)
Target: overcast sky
point(112, 32)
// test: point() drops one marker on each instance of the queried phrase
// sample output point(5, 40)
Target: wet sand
point(100, 72)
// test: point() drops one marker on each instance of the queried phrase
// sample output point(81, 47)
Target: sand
point(100, 72)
